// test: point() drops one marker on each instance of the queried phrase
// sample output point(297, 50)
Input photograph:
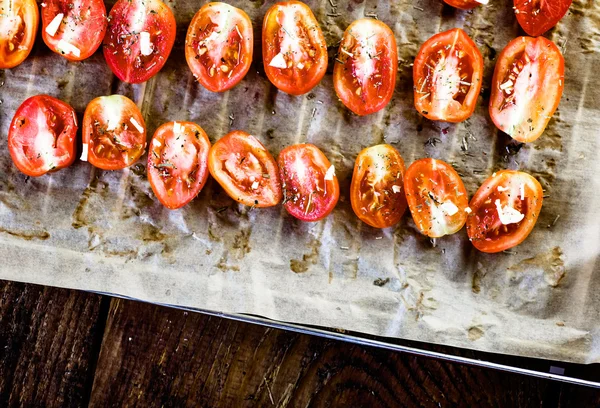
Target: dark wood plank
point(49, 341)
point(153, 356)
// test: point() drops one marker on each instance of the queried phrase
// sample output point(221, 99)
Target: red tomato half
point(538, 16)
point(436, 196)
point(447, 76)
point(139, 39)
point(364, 75)
point(527, 86)
point(114, 132)
point(73, 28)
point(377, 189)
point(504, 211)
point(465, 4)
point(18, 27)
point(178, 163)
point(41, 137)
point(294, 48)
point(310, 186)
point(245, 169)
point(218, 46)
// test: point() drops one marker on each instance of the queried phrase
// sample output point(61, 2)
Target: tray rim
point(331, 334)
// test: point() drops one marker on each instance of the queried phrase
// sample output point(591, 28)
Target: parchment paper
point(104, 230)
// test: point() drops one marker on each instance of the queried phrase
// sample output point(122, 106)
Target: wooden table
point(62, 348)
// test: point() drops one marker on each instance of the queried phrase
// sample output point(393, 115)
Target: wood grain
point(153, 356)
point(48, 345)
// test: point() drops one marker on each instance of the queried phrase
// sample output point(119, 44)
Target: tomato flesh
point(364, 75)
point(73, 28)
point(436, 196)
point(447, 76)
point(219, 45)
point(294, 48)
point(504, 211)
point(245, 169)
point(310, 186)
point(527, 86)
point(139, 39)
point(465, 4)
point(538, 16)
point(377, 188)
point(18, 28)
point(114, 132)
point(41, 137)
point(178, 163)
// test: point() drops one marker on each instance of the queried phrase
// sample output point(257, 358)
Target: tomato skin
point(524, 109)
point(308, 61)
point(506, 187)
point(14, 48)
point(122, 43)
point(203, 56)
point(178, 163)
point(463, 4)
point(83, 25)
point(538, 16)
point(364, 92)
point(436, 196)
point(440, 91)
point(36, 121)
point(377, 188)
point(110, 132)
point(245, 169)
point(309, 193)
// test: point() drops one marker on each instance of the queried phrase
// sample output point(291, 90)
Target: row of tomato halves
point(501, 214)
point(138, 36)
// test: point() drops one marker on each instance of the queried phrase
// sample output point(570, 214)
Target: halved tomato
point(436, 196)
point(139, 39)
point(465, 4)
point(504, 211)
point(447, 76)
point(41, 137)
point(178, 163)
point(527, 86)
point(294, 48)
point(310, 186)
point(18, 27)
point(377, 189)
point(114, 132)
point(73, 28)
point(364, 75)
point(538, 16)
point(218, 46)
point(245, 169)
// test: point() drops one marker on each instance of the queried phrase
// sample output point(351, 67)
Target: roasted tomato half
point(377, 189)
point(310, 186)
point(436, 197)
point(245, 169)
point(538, 16)
point(364, 75)
point(504, 211)
point(294, 48)
point(41, 137)
point(178, 163)
point(527, 86)
point(465, 4)
point(139, 39)
point(18, 28)
point(73, 28)
point(114, 132)
point(218, 46)
point(447, 76)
